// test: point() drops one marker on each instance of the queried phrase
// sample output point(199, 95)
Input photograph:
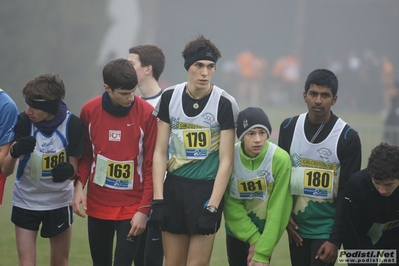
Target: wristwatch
point(212, 208)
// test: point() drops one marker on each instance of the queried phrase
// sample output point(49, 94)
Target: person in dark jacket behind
point(391, 131)
point(370, 211)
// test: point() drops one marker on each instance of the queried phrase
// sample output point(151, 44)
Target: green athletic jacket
point(246, 218)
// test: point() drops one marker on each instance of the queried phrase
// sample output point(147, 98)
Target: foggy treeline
point(352, 37)
point(58, 36)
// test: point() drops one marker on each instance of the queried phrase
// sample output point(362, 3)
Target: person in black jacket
point(370, 211)
point(391, 132)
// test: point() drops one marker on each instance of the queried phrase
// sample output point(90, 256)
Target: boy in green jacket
point(258, 191)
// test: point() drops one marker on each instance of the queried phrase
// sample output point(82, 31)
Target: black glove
point(159, 214)
point(62, 172)
point(207, 223)
point(24, 145)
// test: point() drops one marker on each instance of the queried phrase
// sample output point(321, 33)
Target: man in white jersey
point(324, 152)
point(48, 142)
point(149, 62)
point(199, 120)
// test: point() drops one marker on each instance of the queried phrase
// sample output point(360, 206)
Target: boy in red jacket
point(117, 166)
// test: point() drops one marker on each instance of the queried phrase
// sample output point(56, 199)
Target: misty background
point(357, 39)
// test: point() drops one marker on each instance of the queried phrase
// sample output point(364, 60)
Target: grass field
point(368, 126)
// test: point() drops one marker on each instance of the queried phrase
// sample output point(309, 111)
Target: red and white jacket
point(121, 147)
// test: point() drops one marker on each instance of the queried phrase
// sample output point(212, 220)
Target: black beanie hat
point(250, 118)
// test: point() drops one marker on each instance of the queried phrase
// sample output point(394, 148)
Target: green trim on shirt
point(242, 221)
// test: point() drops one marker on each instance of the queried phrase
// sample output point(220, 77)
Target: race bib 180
point(312, 182)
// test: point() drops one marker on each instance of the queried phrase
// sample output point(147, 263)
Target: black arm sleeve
point(76, 136)
point(225, 114)
point(286, 133)
point(163, 113)
point(355, 216)
point(350, 155)
point(351, 212)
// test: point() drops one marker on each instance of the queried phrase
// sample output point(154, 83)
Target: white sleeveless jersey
point(153, 101)
point(34, 188)
point(196, 139)
point(250, 184)
point(318, 156)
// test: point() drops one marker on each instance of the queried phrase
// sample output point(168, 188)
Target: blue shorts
point(53, 222)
